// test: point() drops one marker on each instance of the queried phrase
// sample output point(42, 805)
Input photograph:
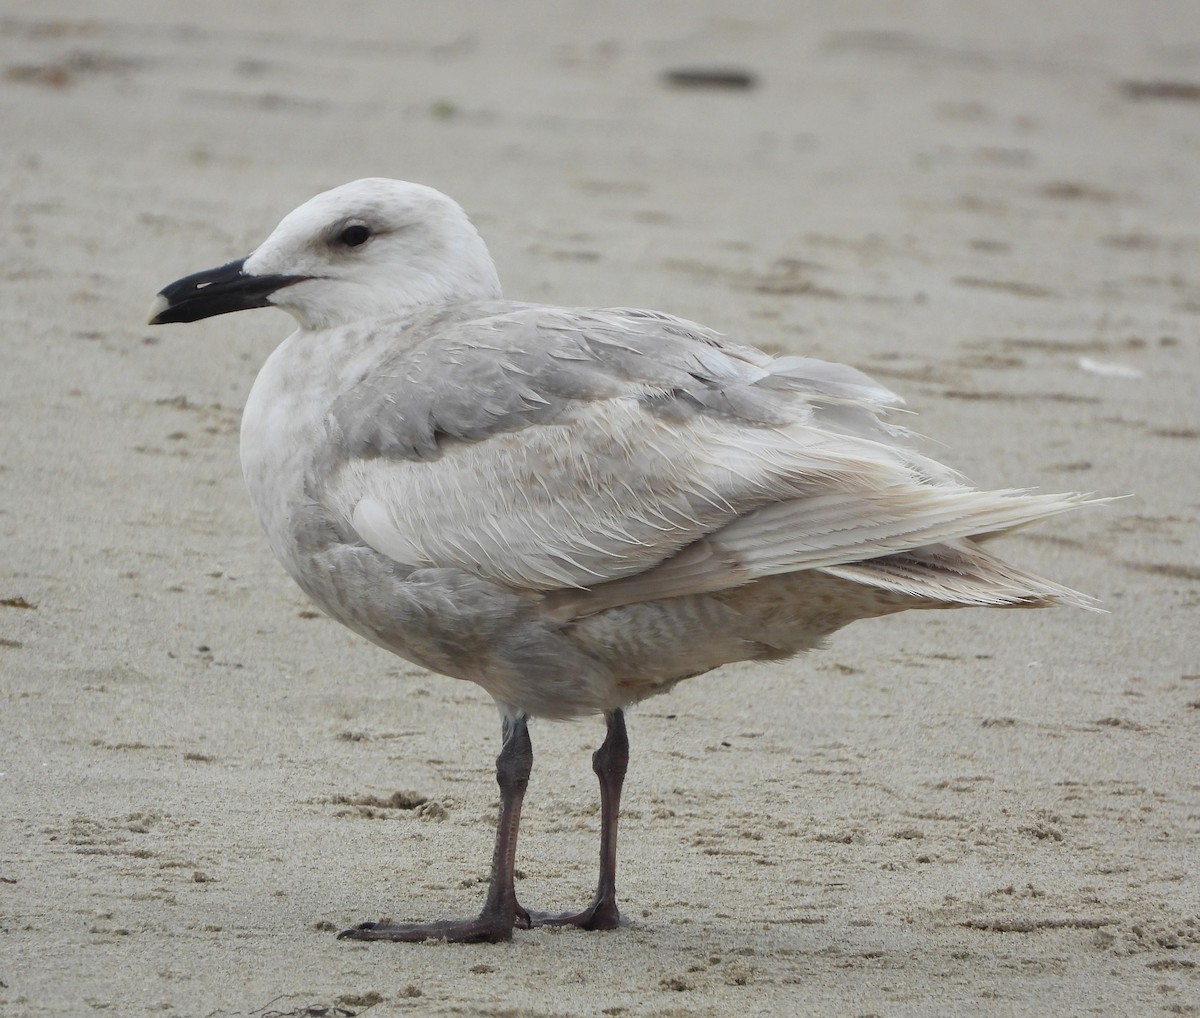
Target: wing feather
point(634, 455)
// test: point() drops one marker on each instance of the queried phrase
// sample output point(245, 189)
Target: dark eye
point(354, 236)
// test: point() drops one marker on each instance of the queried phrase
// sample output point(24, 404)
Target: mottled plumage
point(573, 508)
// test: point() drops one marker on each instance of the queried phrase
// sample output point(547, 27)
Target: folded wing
point(635, 456)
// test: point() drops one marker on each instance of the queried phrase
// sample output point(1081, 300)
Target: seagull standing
point(574, 508)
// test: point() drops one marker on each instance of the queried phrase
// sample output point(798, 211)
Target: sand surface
point(993, 208)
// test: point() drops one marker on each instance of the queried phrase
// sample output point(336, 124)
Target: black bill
point(215, 292)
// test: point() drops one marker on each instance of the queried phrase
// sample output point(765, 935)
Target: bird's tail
point(961, 573)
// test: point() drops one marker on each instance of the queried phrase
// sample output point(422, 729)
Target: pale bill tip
point(157, 307)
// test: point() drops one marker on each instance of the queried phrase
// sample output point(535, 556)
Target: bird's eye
point(354, 236)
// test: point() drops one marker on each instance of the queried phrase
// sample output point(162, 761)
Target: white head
point(370, 248)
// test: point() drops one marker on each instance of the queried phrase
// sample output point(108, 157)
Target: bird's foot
point(484, 929)
point(601, 914)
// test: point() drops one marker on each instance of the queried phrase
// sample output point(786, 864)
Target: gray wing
point(552, 449)
point(475, 374)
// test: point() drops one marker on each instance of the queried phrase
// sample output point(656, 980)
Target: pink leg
point(501, 912)
point(609, 762)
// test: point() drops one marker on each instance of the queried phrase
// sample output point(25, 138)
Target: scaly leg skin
point(501, 912)
point(609, 762)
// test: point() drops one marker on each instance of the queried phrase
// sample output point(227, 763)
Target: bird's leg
point(609, 762)
point(501, 912)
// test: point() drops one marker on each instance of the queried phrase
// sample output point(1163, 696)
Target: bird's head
point(367, 249)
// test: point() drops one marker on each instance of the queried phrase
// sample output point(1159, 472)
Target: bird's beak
point(216, 292)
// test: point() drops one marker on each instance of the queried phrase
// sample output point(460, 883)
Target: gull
point(574, 508)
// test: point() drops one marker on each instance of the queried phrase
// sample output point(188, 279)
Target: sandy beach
point(993, 209)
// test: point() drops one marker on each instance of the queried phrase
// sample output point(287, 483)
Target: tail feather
point(961, 573)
